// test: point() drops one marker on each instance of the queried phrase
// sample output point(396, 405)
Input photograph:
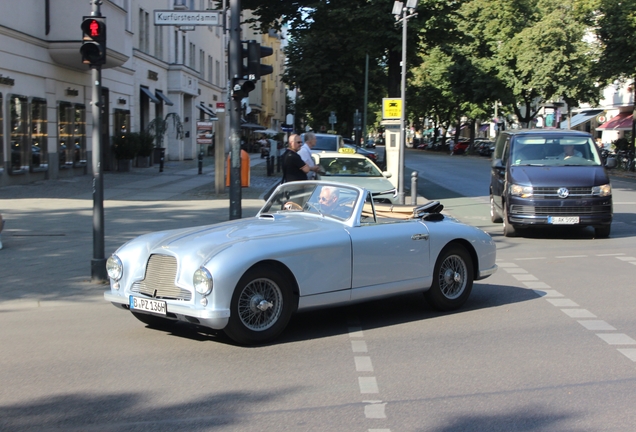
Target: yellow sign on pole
point(391, 108)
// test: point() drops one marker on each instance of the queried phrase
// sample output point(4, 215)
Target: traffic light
point(255, 70)
point(93, 48)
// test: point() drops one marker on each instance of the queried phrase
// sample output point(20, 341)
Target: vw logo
point(563, 192)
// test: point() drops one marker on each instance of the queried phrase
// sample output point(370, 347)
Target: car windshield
point(554, 150)
point(348, 166)
point(331, 201)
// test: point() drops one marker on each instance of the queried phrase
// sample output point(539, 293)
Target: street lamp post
point(402, 14)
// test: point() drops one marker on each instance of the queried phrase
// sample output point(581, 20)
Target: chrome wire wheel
point(452, 277)
point(260, 304)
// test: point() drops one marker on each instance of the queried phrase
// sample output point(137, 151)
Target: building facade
point(151, 71)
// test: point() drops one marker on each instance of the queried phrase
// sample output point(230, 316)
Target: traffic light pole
point(236, 66)
point(98, 263)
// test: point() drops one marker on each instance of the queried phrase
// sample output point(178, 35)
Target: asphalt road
point(545, 344)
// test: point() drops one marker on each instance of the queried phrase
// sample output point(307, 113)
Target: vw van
point(550, 177)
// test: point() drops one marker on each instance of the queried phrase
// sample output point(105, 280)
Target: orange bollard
point(245, 170)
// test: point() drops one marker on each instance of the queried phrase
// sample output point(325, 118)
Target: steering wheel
point(290, 205)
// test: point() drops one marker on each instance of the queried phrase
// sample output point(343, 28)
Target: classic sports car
point(313, 244)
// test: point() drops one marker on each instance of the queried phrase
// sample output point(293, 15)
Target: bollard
point(163, 155)
point(270, 164)
point(277, 161)
point(414, 188)
point(200, 162)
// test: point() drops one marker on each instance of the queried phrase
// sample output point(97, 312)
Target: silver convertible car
point(313, 244)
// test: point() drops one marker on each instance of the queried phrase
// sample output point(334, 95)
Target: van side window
point(506, 151)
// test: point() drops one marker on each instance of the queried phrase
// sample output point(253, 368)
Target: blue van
point(549, 177)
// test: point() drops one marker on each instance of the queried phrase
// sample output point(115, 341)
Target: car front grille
point(552, 192)
point(559, 211)
point(161, 272)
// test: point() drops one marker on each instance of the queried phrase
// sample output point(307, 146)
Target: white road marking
point(626, 258)
point(616, 338)
point(368, 385)
point(536, 285)
point(506, 264)
point(563, 302)
point(355, 332)
point(363, 364)
point(548, 293)
point(596, 325)
point(530, 258)
point(358, 346)
point(630, 353)
point(525, 277)
point(379, 430)
point(612, 254)
point(578, 313)
point(515, 270)
point(571, 256)
point(375, 409)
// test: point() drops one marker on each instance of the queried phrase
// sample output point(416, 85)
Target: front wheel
point(508, 229)
point(262, 305)
point(602, 231)
point(452, 279)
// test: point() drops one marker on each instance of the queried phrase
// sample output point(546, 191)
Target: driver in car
point(329, 203)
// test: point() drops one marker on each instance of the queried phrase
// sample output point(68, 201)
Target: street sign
point(186, 28)
point(220, 107)
point(187, 18)
point(391, 108)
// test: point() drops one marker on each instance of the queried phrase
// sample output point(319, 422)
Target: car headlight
point(603, 190)
point(202, 281)
point(521, 191)
point(114, 267)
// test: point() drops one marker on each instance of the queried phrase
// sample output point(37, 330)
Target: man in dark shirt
point(294, 168)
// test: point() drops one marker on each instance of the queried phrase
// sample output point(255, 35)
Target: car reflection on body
point(248, 276)
point(352, 168)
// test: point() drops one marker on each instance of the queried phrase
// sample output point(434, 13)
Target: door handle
point(419, 237)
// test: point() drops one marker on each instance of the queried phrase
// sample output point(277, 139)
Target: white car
point(349, 167)
point(248, 276)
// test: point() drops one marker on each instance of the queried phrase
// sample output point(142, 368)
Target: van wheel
point(602, 231)
point(494, 216)
point(508, 229)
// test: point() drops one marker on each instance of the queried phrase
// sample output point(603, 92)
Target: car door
point(389, 258)
point(498, 173)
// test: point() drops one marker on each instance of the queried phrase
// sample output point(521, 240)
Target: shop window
point(122, 121)
point(39, 135)
point(72, 137)
point(19, 130)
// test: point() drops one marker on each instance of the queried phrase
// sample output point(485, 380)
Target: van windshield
point(554, 150)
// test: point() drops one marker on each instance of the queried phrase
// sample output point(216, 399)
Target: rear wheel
point(452, 279)
point(494, 216)
point(509, 230)
point(262, 305)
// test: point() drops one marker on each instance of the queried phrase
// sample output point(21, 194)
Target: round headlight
point(202, 281)
point(114, 267)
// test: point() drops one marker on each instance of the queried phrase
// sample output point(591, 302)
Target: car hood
point(572, 176)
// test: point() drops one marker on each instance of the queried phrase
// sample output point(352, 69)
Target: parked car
point(484, 147)
point(535, 182)
point(460, 146)
point(326, 142)
point(362, 151)
point(356, 169)
point(248, 276)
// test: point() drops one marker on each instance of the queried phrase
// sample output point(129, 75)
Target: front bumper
point(590, 211)
point(212, 318)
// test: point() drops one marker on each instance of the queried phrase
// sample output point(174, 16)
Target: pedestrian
point(1, 226)
point(305, 154)
point(452, 146)
point(294, 168)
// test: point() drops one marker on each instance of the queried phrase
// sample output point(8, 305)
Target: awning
point(582, 117)
point(484, 127)
point(163, 97)
point(207, 110)
point(623, 121)
point(268, 132)
point(252, 126)
point(148, 93)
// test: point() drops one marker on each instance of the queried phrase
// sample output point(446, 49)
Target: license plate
point(147, 305)
point(563, 220)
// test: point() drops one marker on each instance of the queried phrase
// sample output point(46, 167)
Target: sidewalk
point(48, 235)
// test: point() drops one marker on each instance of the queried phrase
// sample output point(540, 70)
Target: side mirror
point(497, 163)
point(387, 174)
point(611, 163)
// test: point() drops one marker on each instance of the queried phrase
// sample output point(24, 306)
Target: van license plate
point(147, 305)
point(563, 220)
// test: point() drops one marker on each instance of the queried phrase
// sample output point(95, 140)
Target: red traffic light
point(93, 28)
point(93, 49)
